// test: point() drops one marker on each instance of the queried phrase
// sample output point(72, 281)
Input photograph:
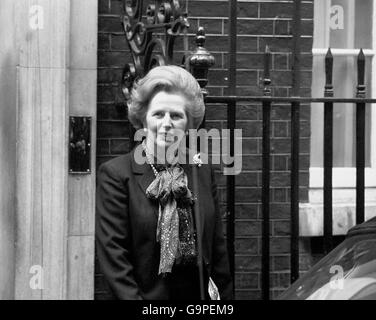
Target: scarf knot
point(170, 183)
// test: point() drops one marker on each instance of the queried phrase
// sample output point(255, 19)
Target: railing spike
point(361, 54)
point(361, 88)
point(267, 80)
point(328, 92)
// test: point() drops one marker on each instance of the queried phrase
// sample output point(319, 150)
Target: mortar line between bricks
point(112, 155)
point(113, 120)
point(247, 1)
point(113, 51)
point(259, 69)
point(247, 272)
point(246, 290)
point(248, 18)
point(225, 35)
point(105, 139)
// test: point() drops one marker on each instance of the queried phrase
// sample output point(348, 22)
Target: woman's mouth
point(168, 137)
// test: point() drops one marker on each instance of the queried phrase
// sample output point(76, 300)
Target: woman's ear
point(144, 127)
point(144, 124)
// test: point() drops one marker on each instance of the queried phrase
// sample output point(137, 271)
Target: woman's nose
point(167, 121)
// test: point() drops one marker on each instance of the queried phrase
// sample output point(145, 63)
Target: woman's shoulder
point(119, 164)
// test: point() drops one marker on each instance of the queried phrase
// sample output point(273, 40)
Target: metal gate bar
point(295, 134)
point(360, 140)
point(265, 199)
point(328, 154)
point(231, 123)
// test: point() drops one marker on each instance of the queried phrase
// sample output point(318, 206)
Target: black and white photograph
point(188, 154)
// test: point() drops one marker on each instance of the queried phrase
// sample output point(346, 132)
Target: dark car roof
point(366, 227)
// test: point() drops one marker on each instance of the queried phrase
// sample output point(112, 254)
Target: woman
point(145, 228)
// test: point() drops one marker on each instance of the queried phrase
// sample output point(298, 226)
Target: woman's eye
point(158, 114)
point(176, 116)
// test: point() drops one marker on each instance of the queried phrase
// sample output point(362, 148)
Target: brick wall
point(259, 24)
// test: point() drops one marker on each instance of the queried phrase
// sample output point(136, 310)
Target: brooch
point(197, 159)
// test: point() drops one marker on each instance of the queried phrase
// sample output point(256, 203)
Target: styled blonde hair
point(170, 79)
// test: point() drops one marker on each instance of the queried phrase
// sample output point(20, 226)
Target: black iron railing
point(267, 101)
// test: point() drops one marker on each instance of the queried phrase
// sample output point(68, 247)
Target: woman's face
point(166, 119)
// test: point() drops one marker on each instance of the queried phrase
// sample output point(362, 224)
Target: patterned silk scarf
point(170, 189)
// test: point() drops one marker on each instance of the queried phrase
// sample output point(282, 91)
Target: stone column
point(47, 217)
point(42, 159)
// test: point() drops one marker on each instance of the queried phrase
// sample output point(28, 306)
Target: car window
point(346, 289)
point(355, 258)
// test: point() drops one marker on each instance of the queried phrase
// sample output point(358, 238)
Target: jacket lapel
point(144, 175)
point(146, 179)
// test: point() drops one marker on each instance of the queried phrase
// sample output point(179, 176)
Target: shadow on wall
point(8, 116)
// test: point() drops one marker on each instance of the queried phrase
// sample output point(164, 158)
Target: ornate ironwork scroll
point(150, 31)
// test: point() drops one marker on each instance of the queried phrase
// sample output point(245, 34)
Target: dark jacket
point(126, 223)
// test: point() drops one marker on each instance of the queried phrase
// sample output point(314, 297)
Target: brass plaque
point(79, 145)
